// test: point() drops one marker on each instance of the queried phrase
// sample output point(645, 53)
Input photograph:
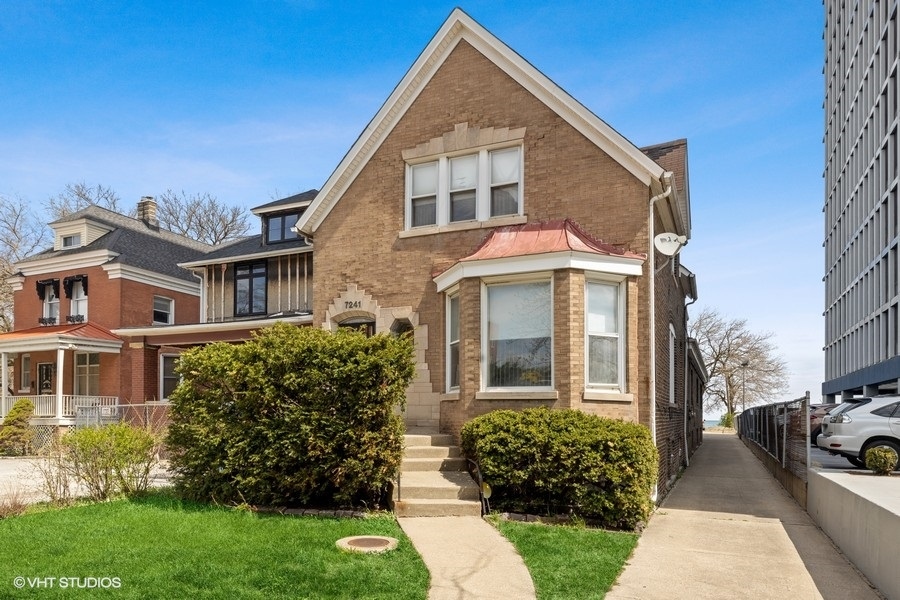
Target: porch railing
point(45, 404)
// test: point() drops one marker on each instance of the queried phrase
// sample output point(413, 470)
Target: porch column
point(5, 382)
point(60, 360)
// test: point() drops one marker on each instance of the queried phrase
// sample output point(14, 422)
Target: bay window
point(453, 341)
point(517, 326)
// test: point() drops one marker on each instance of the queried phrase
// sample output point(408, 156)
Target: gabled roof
point(81, 336)
point(131, 242)
point(547, 246)
point(460, 26)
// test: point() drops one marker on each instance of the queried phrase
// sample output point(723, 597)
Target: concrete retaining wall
point(860, 512)
point(795, 486)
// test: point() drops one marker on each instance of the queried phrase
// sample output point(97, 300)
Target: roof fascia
point(261, 212)
point(193, 328)
point(93, 258)
point(245, 257)
point(460, 26)
point(120, 271)
point(552, 261)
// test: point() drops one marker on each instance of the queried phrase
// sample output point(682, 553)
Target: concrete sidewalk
point(468, 559)
point(729, 530)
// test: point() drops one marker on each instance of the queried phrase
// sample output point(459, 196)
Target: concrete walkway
point(468, 559)
point(729, 530)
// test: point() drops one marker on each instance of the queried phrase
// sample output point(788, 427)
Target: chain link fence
point(782, 430)
point(151, 415)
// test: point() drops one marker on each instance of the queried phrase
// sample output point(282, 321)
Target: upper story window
point(279, 228)
point(76, 290)
point(48, 292)
point(470, 187)
point(71, 241)
point(250, 289)
point(163, 310)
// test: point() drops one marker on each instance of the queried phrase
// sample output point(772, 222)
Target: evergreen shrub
point(16, 433)
point(564, 461)
point(293, 417)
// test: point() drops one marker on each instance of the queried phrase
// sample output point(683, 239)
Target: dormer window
point(279, 228)
point(71, 241)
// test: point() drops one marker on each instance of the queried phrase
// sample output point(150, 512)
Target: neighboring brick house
point(472, 208)
point(105, 271)
point(244, 285)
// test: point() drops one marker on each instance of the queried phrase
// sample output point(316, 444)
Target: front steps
point(433, 480)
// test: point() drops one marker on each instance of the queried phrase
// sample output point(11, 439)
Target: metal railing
point(782, 430)
point(150, 415)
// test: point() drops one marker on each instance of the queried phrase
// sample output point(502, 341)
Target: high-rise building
point(862, 221)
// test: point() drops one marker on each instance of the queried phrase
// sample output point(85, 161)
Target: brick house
point(472, 210)
point(103, 273)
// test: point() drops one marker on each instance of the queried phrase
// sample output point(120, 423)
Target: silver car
point(860, 424)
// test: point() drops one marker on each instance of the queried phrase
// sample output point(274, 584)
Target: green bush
point(727, 420)
point(294, 417)
point(881, 460)
point(16, 433)
point(109, 460)
point(555, 461)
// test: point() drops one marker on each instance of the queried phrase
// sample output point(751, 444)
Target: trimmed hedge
point(565, 461)
point(293, 417)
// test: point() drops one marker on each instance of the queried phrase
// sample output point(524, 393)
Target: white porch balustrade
point(45, 404)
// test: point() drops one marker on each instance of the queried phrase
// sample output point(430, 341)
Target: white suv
point(863, 424)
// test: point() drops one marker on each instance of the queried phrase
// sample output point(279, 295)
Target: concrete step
point(432, 452)
point(433, 464)
point(436, 485)
point(428, 439)
point(437, 508)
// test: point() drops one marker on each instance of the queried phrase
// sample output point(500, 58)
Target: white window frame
point(672, 345)
point(620, 335)
point(78, 304)
point(162, 375)
point(72, 240)
point(452, 295)
point(25, 374)
point(84, 371)
point(171, 302)
point(51, 303)
point(485, 333)
point(482, 190)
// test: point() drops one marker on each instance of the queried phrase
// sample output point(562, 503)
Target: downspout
point(652, 234)
point(687, 456)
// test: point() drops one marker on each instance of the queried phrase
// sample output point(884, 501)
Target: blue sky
point(252, 101)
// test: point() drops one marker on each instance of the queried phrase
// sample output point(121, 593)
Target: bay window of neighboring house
point(604, 336)
point(87, 373)
point(474, 187)
point(250, 289)
point(168, 378)
point(517, 329)
point(453, 341)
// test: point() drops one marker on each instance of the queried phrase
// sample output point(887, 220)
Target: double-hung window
point(162, 310)
point(604, 336)
point(250, 289)
point(168, 377)
point(477, 186)
point(453, 341)
point(517, 326)
point(51, 303)
point(79, 305)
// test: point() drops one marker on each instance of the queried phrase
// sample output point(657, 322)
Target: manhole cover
point(367, 543)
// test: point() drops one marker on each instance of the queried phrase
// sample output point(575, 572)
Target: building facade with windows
point(103, 273)
point(862, 221)
point(512, 231)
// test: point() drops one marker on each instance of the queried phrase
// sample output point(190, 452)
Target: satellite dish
point(669, 243)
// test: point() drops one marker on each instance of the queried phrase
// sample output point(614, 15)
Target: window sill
point(465, 226)
point(515, 395)
point(454, 395)
point(607, 396)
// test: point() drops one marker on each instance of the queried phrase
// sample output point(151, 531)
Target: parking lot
point(820, 458)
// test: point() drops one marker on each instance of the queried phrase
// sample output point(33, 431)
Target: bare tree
point(80, 195)
point(21, 234)
point(201, 217)
point(743, 366)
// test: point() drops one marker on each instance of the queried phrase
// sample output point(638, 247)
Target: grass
point(161, 547)
point(570, 563)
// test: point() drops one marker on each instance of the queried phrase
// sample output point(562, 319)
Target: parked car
point(816, 412)
point(856, 426)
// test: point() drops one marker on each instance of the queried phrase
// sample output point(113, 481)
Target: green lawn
point(160, 547)
point(570, 563)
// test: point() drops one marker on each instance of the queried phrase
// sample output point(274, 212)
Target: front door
point(45, 378)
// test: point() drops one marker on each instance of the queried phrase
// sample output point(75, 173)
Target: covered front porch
point(57, 368)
